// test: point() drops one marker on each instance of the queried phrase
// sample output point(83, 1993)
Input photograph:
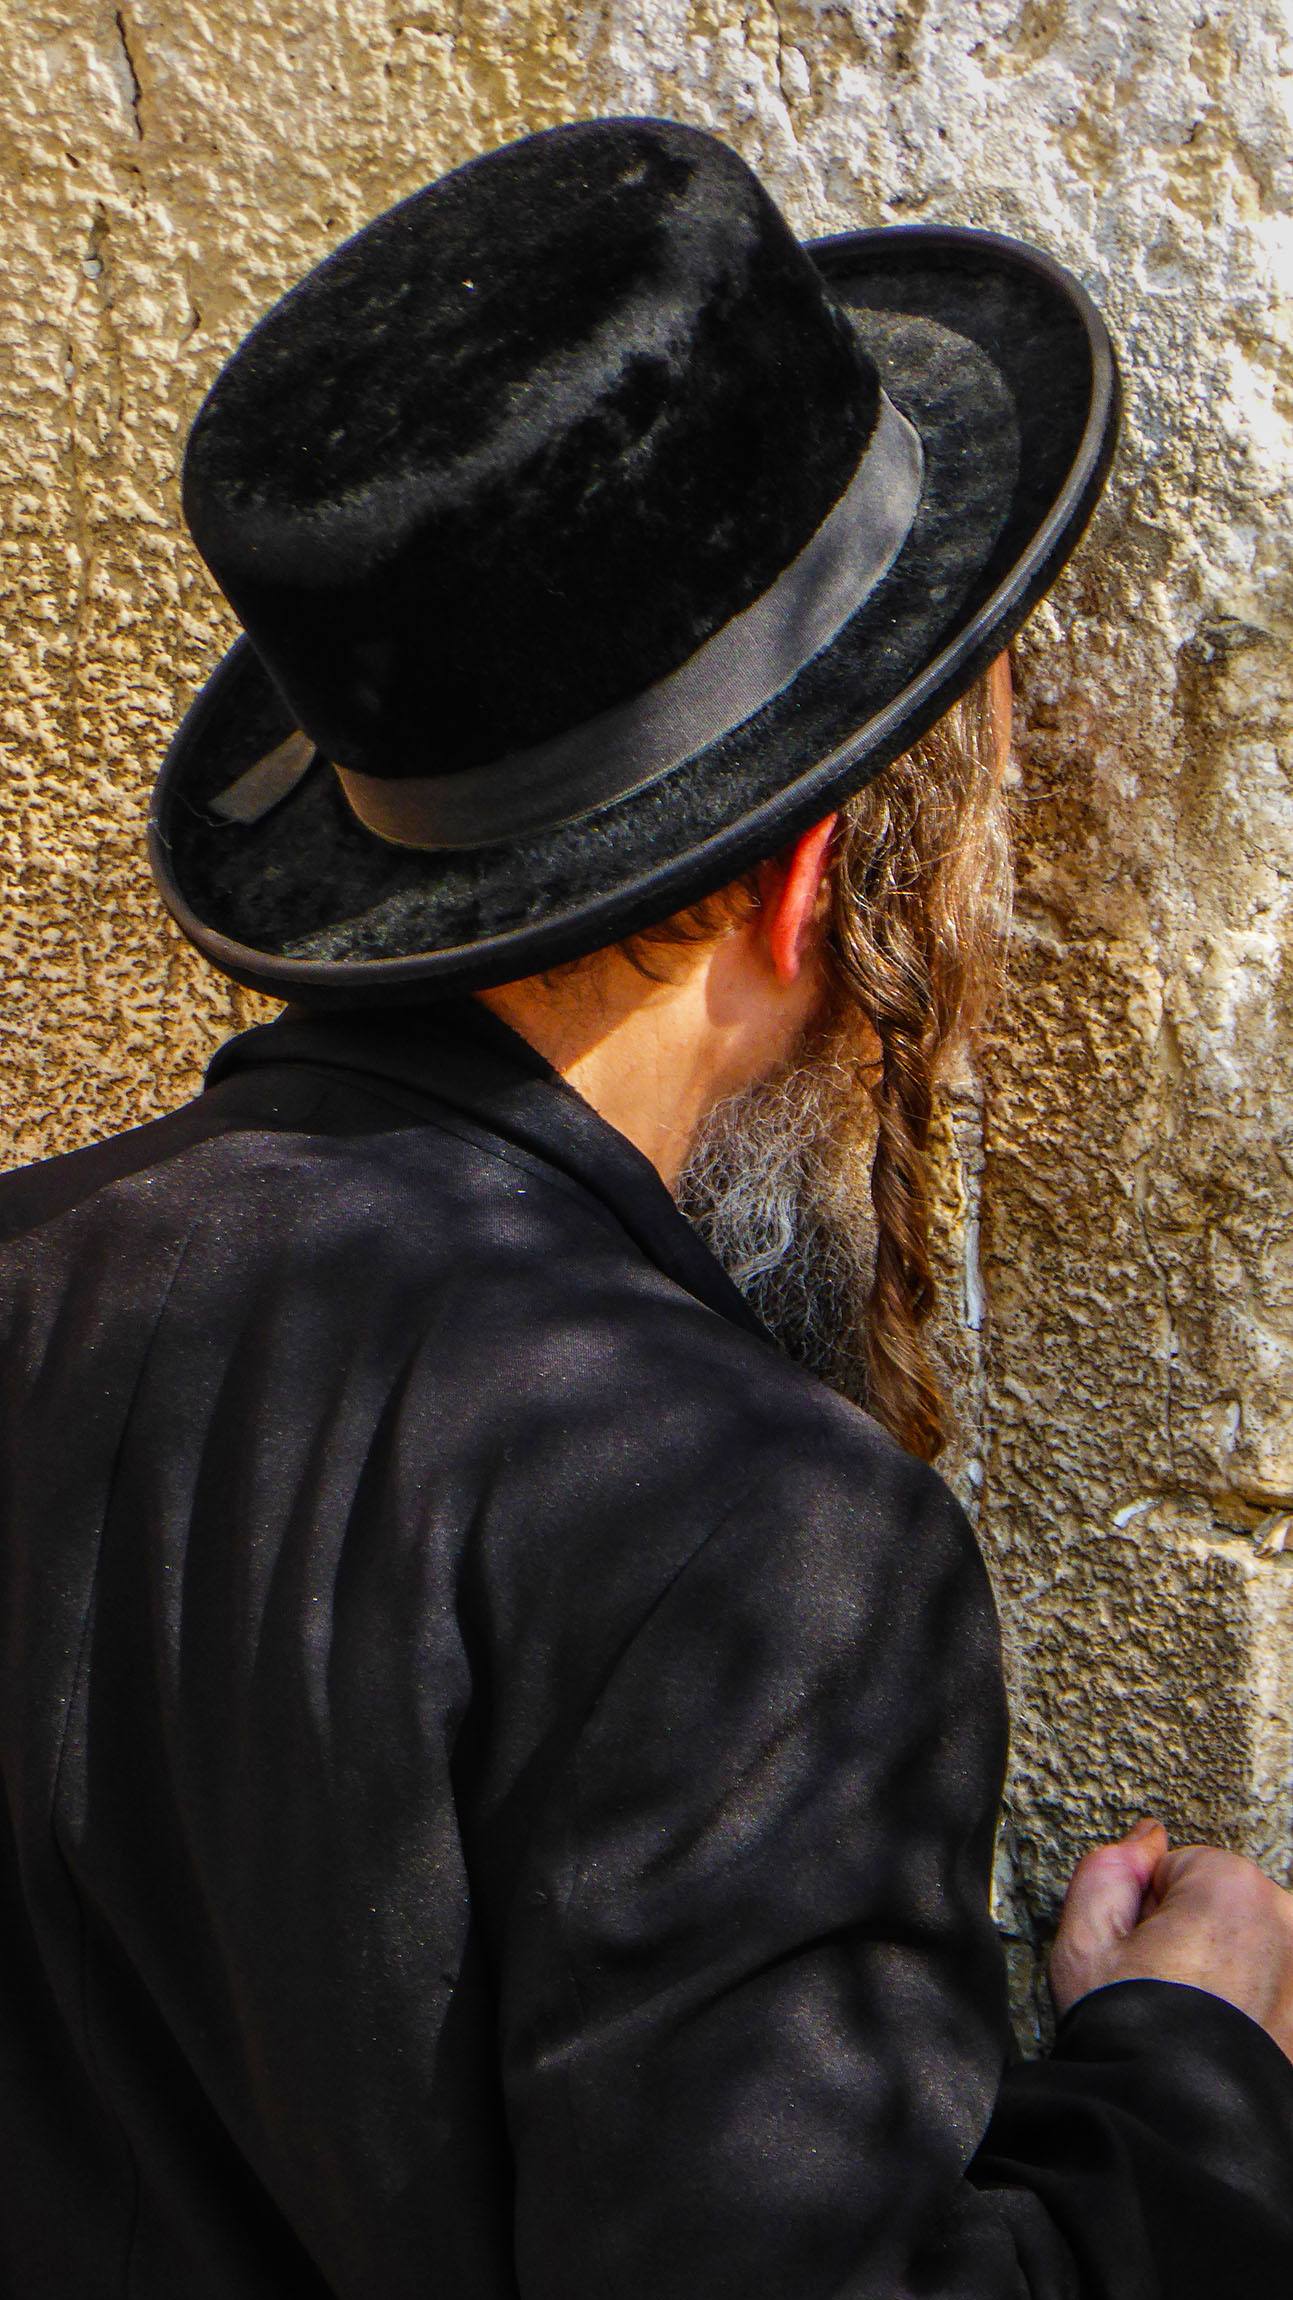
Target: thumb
point(1109, 1884)
point(1103, 1904)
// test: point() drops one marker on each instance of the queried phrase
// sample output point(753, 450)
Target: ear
point(790, 886)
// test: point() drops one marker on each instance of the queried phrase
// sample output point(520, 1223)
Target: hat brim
point(1001, 361)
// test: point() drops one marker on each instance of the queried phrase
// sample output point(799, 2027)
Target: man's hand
point(1135, 1911)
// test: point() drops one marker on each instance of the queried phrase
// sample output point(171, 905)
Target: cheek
point(822, 1007)
point(841, 1024)
point(816, 987)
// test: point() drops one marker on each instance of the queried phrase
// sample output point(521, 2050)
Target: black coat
point(501, 1766)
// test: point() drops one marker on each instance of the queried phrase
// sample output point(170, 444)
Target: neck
point(653, 1058)
point(643, 1062)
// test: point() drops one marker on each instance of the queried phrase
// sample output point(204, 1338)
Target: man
point(500, 1761)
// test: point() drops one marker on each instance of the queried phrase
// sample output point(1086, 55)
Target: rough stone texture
point(1119, 1180)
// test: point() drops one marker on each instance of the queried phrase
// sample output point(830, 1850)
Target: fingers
point(1102, 1906)
point(1225, 1887)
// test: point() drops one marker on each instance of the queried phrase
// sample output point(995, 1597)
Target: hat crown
point(517, 448)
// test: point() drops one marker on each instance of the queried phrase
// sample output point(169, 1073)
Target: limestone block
point(1118, 1175)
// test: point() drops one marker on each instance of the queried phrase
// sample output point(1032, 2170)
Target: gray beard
point(778, 1185)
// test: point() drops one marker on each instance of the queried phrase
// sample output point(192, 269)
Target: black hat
point(593, 538)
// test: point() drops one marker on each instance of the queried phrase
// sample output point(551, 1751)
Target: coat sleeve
point(754, 2037)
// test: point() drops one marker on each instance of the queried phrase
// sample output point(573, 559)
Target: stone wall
point(1119, 1178)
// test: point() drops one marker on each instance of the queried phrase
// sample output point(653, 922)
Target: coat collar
point(459, 1053)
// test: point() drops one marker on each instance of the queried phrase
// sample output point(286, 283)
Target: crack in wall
point(97, 266)
point(94, 265)
point(131, 74)
point(1140, 1195)
point(90, 264)
point(779, 41)
point(785, 91)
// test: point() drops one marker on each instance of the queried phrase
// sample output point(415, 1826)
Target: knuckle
point(1250, 1887)
point(1249, 1895)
